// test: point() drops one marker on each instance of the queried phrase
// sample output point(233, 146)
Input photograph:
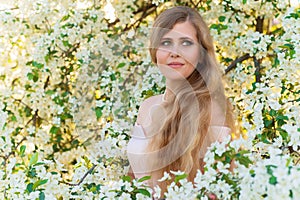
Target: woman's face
point(178, 51)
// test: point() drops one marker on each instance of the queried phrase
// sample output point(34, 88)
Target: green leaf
point(252, 173)
point(42, 196)
point(33, 159)
point(283, 133)
point(283, 117)
point(222, 18)
point(291, 194)
point(29, 187)
point(2, 77)
point(144, 178)
point(50, 92)
point(66, 116)
point(98, 111)
point(227, 159)
point(121, 65)
point(267, 123)
point(22, 150)
point(54, 130)
point(37, 65)
point(93, 189)
point(273, 180)
point(243, 152)
point(27, 111)
point(66, 43)
point(14, 118)
point(276, 62)
point(64, 18)
point(144, 192)
point(272, 112)
point(257, 41)
point(30, 76)
point(35, 78)
point(229, 181)
point(179, 177)
point(219, 27)
point(214, 26)
point(244, 161)
point(292, 53)
point(244, 1)
point(269, 169)
point(113, 77)
point(47, 57)
point(126, 178)
point(65, 94)
point(39, 183)
point(287, 46)
point(31, 172)
point(38, 164)
point(75, 142)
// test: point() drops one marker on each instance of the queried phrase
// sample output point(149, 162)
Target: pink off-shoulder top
point(140, 160)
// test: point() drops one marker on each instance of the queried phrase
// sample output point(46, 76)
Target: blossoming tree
point(72, 77)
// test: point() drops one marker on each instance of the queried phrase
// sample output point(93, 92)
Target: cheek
point(192, 57)
point(161, 56)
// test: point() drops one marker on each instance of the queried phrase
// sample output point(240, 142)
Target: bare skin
point(144, 114)
point(177, 56)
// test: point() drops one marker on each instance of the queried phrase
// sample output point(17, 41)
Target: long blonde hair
point(180, 137)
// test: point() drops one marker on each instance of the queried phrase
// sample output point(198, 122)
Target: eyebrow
point(181, 38)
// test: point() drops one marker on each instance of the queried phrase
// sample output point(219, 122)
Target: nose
point(174, 52)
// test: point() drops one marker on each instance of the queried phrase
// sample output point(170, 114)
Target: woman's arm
point(130, 173)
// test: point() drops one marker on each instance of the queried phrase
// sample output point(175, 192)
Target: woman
point(173, 130)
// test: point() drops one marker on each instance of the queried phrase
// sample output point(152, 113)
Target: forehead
point(184, 29)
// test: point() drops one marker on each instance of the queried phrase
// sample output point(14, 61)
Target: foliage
point(72, 80)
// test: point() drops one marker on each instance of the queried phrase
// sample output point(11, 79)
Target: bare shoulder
point(145, 108)
point(218, 113)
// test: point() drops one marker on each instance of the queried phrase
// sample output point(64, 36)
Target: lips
point(175, 64)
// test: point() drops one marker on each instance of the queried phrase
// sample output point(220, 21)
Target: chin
point(173, 74)
point(175, 77)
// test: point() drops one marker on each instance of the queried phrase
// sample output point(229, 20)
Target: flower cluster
point(72, 78)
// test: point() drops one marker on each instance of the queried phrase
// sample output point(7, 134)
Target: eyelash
point(163, 43)
point(189, 43)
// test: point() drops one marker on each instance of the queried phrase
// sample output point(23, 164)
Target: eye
point(187, 43)
point(166, 43)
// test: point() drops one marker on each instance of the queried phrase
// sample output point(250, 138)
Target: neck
point(172, 86)
point(175, 84)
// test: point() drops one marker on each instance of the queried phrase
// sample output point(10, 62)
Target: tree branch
point(82, 179)
point(259, 24)
point(236, 61)
point(7, 9)
point(47, 25)
point(194, 5)
point(257, 69)
point(12, 152)
point(73, 48)
point(198, 3)
point(292, 151)
point(131, 75)
point(47, 82)
point(145, 12)
point(294, 100)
